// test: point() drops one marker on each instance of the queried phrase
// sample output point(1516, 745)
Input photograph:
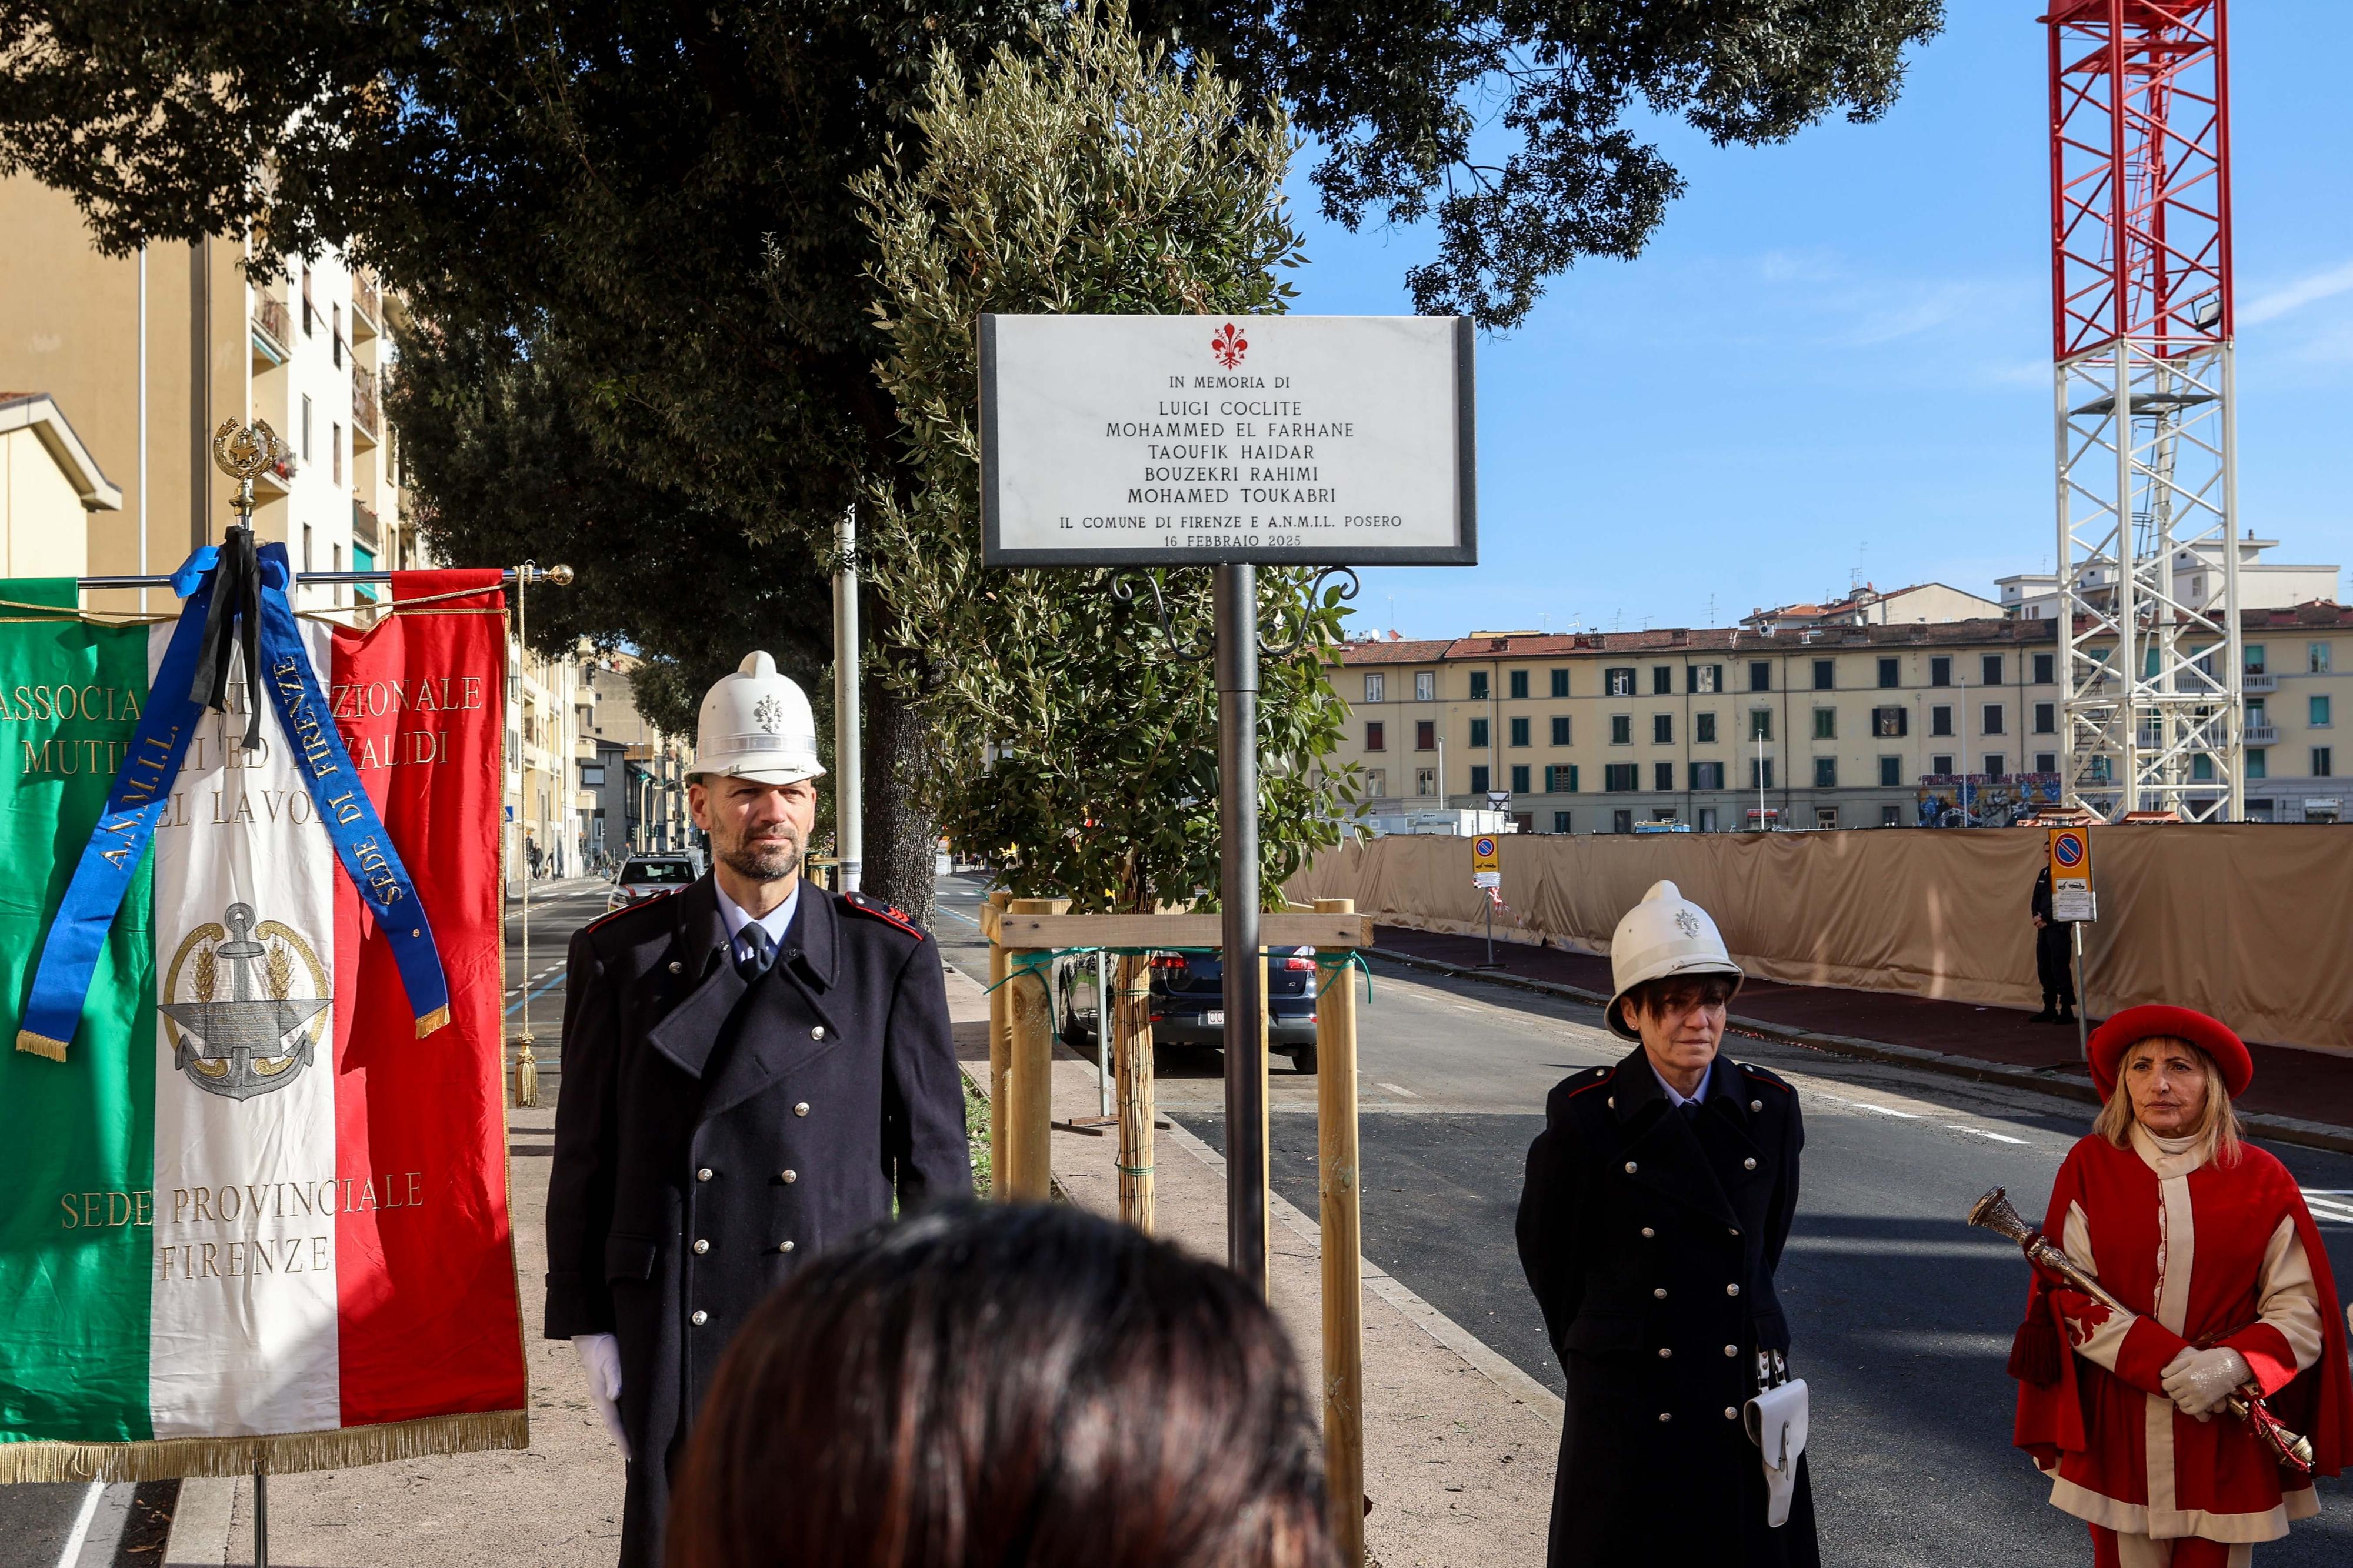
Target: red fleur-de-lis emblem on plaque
point(1229, 345)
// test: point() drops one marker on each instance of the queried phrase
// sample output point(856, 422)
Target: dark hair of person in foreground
point(993, 1386)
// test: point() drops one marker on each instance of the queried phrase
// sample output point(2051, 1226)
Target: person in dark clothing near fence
point(2054, 956)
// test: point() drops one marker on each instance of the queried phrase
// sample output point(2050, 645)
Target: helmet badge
point(769, 714)
point(1687, 922)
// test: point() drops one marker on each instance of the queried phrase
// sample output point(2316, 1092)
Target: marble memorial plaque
point(1190, 440)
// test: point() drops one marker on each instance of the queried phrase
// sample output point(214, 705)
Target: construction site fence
point(2246, 922)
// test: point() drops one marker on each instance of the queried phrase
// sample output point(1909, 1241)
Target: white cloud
point(2294, 296)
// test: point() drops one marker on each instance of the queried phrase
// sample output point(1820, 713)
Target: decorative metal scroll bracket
point(1122, 589)
point(1315, 590)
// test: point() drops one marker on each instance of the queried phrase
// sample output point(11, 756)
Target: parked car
point(649, 876)
point(1188, 1003)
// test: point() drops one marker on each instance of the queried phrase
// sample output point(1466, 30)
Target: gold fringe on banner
point(281, 1454)
point(432, 1021)
point(40, 1045)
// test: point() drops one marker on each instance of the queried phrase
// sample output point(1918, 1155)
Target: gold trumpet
point(1993, 1212)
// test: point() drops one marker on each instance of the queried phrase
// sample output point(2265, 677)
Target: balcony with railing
point(365, 414)
point(367, 307)
point(2261, 732)
point(2254, 681)
point(273, 331)
point(365, 531)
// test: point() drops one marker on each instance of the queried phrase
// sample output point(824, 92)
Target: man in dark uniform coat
point(2054, 955)
point(754, 1070)
point(1658, 1199)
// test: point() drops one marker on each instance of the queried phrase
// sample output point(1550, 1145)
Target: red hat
point(2112, 1039)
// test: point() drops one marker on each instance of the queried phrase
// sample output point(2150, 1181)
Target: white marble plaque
point(1189, 440)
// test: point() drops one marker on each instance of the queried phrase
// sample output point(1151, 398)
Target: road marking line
point(1398, 1088)
point(1982, 1132)
point(81, 1532)
point(958, 914)
point(1881, 1110)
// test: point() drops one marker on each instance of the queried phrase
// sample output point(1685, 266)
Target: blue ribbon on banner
point(136, 803)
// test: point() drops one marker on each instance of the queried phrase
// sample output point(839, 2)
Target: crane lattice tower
point(2141, 325)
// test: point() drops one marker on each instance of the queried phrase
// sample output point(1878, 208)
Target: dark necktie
point(1690, 1108)
point(759, 952)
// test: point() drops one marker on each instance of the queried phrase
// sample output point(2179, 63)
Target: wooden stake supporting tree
point(1343, 1231)
point(1132, 1065)
point(1020, 929)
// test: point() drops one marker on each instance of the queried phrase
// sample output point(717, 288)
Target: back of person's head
point(990, 1386)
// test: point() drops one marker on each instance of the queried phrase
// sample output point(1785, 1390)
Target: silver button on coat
point(703, 1174)
point(783, 1246)
point(1661, 1292)
point(1629, 1167)
point(700, 1319)
point(1749, 1163)
point(817, 1033)
point(801, 1109)
point(1732, 1289)
point(788, 1177)
point(701, 1247)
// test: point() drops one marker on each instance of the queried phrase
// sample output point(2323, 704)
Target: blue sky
point(1835, 354)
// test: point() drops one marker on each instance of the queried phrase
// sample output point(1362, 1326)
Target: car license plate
point(1218, 1017)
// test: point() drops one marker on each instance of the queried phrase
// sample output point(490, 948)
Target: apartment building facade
point(1719, 729)
point(152, 351)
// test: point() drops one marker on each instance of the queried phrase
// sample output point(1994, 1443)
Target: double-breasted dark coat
point(711, 1135)
point(1650, 1239)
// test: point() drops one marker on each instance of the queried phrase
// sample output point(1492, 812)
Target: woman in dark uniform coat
point(1658, 1199)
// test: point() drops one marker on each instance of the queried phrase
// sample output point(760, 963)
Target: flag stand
point(260, 1516)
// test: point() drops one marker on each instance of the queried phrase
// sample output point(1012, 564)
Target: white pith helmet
point(755, 724)
point(1664, 934)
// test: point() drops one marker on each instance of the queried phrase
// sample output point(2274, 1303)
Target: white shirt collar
point(775, 923)
point(1673, 1098)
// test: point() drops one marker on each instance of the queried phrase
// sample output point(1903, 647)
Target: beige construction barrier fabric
point(2246, 922)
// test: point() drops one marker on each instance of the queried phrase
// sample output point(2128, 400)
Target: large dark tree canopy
point(630, 225)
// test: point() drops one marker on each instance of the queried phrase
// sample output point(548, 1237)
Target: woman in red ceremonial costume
point(2207, 1241)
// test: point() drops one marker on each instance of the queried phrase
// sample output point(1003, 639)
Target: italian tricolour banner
point(257, 1211)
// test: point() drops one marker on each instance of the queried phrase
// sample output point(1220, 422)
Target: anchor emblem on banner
point(236, 1045)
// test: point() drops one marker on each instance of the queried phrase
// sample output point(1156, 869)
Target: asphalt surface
point(1901, 1313)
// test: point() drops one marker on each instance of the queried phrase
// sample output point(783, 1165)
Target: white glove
point(2198, 1381)
point(600, 1358)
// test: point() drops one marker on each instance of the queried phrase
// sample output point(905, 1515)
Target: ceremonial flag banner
point(257, 1211)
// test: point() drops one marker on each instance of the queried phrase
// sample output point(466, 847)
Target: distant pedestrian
point(2206, 1242)
point(2054, 955)
point(1658, 1199)
point(532, 853)
point(986, 1386)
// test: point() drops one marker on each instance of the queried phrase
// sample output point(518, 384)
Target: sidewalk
point(1459, 1443)
point(2298, 1096)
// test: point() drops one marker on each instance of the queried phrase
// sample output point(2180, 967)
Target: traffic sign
point(1484, 854)
point(2071, 874)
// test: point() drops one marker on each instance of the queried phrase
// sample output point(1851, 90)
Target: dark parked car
point(650, 876)
point(1188, 1003)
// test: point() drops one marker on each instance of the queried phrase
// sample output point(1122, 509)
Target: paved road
point(1902, 1314)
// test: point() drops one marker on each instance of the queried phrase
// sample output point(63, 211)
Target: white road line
point(1399, 1089)
point(1881, 1109)
point(958, 914)
point(1982, 1132)
point(81, 1532)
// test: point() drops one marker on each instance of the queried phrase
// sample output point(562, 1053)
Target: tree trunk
point(901, 834)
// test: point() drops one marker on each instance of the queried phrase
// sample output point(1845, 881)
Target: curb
point(201, 1522)
point(2280, 1129)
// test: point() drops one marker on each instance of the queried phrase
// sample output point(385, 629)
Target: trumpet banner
point(252, 1215)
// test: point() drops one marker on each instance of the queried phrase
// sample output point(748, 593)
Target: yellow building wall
point(44, 531)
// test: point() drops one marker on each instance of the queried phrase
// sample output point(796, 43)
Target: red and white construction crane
point(2147, 563)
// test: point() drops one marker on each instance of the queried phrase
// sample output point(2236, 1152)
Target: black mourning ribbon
point(234, 619)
